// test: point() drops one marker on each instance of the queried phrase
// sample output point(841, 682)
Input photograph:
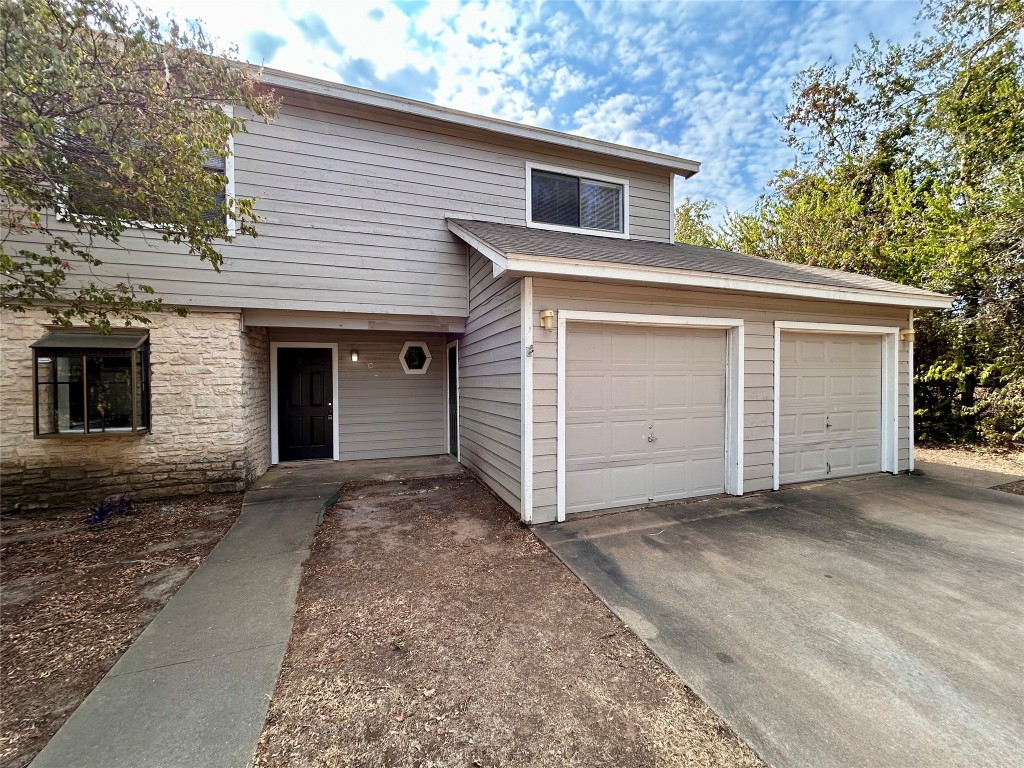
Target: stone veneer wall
point(209, 429)
point(256, 401)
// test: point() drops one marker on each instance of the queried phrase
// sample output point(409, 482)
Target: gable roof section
point(529, 251)
point(281, 79)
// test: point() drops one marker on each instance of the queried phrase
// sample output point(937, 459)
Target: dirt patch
point(434, 630)
point(1009, 461)
point(75, 597)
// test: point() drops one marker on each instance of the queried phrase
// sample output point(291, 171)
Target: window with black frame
point(91, 384)
point(109, 200)
point(575, 201)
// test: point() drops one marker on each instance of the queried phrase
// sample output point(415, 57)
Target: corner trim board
point(526, 418)
point(274, 428)
point(910, 397)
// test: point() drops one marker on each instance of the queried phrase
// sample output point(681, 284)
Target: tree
point(693, 224)
point(912, 170)
point(111, 120)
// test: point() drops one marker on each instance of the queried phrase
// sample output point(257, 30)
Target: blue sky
point(698, 79)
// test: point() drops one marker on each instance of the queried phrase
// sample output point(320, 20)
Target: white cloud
point(700, 80)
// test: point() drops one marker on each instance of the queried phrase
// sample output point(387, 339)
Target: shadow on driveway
point(871, 622)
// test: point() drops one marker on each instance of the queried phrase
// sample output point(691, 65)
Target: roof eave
point(677, 165)
point(557, 266)
point(528, 264)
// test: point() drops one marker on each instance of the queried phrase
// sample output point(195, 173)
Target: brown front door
point(304, 404)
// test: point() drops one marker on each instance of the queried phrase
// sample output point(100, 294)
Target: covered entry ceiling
point(830, 406)
point(645, 414)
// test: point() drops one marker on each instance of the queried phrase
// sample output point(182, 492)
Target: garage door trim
point(733, 388)
point(890, 385)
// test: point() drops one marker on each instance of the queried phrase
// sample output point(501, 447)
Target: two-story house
point(429, 281)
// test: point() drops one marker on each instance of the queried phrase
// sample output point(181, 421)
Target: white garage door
point(645, 415)
point(830, 406)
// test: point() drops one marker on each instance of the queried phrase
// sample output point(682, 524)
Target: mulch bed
point(433, 630)
point(76, 596)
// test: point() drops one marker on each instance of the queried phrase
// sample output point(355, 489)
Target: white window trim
point(448, 404)
point(734, 444)
point(624, 183)
point(274, 416)
point(229, 175)
point(426, 364)
point(526, 418)
point(890, 385)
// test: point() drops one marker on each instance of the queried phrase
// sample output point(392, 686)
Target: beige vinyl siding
point(383, 412)
point(353, 202)
point(490, 381)
point(759, 315)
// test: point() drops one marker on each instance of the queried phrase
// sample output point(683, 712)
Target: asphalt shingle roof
point(510, 239)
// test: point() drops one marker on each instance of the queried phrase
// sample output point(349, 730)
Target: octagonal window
point(415, 357)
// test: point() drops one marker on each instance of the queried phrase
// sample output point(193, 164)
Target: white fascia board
point(679, 165)
point(493, 255)
point(630, 273)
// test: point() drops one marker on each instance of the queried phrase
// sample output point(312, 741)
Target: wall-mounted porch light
point(907, 334)
point(547, 319)
point(355, 355)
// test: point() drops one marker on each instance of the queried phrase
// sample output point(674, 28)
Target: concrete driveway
point(872, 622)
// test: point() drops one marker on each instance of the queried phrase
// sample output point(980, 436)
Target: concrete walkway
point(193, 690)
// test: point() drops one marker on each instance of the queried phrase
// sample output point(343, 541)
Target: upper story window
point(101, 201)
point(561, 199)
point(91, 384)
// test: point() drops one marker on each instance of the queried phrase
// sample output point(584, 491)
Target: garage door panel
point(629, 484)
point(669, 391)
point(584, 346)
point(586, 392)
point(866, 458)
point(629, 392)
point(670, 347)
point(829, 406)
point(812, 351)
point(812, 387)
point(866, 423)
point(868, 352)
point(841, 386)
point(627, 347)
point(587, 440)
point(586, 488)
point(707, 348)
point(665, 383)
point(707, 390)
point(868, 387)
point(628, 437)
point(693, 477)
point(701, 432)
point(810, 426)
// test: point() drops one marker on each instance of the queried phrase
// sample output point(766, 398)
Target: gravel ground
point(76, 596)
point(1010, 462)
point(434, 630)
